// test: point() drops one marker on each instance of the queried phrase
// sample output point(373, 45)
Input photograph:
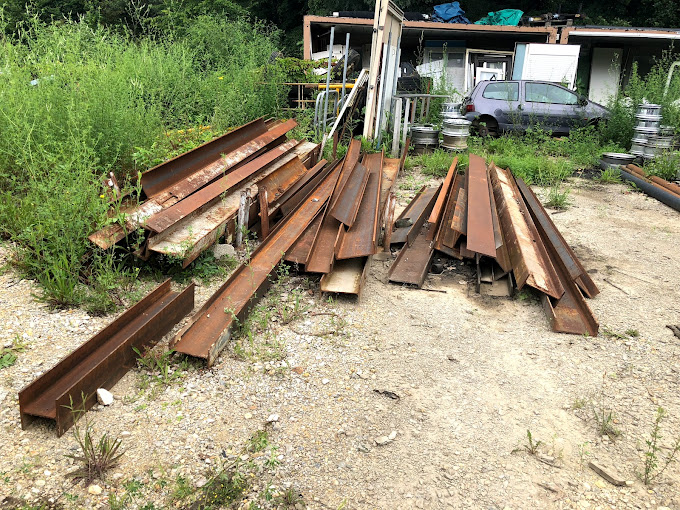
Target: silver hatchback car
point(499, 106)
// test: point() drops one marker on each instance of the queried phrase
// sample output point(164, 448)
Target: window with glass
point(506, 91)
point(547, 93)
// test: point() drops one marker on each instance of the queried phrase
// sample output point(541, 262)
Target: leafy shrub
point(78, 101)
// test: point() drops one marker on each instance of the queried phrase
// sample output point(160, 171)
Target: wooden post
point(264, 213)
point(242, 219)
point(407, 111)
point(397, 127)
point(389, 222)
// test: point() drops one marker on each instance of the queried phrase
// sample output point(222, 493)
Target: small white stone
point(94, 489)
point(272, 418)
point(248, 416)
point(104, 397)
point(125, 433)
point(325, 381)
point(392, 435)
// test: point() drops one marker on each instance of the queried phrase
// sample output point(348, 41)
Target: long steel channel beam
point(103, 359)
point(547, 228)
point(530, 261)
point(171, 172)
point(480, 231)
point(209, 330)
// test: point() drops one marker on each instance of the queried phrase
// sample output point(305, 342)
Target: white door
point(605, 70)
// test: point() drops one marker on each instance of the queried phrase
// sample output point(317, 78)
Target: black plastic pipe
point(666, 197)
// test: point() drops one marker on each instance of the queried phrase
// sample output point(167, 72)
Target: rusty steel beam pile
point(194, 199)
point(487, 215)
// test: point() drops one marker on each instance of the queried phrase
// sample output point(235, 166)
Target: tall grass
point(650, 89)
point(98, 100)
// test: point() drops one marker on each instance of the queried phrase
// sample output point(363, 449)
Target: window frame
point(528, 85)
point(508, 83)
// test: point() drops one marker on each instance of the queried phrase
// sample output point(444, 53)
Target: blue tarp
point(449, 13)
point(508, 17)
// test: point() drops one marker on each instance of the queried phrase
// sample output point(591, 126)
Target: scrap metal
point(210, 328)
point(68, 388)
point(480, 231)
point(530, 261)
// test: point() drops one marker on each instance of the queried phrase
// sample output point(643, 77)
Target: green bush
point(619, 128)
point(78, 101)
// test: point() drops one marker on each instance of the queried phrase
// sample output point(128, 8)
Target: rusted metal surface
point(264, 213)
point(424, 200)
point(347, 205)
point(169, 173)
point(209, 329)
point(347, 277)
point(389, 220)
point(205, 174)
point(502, 255)
point(438, 208)
point(361, 240)
point(413, 262)
point(349, 162)
point(188, 238)
point(530, 262)
point(669, 186)
point(278, 183)
point(171, 215)
point(103, 359)
point(547, 229)
point(108, 236)
point(311, 181)
point(445, 235)
point(302, 182)
point(480, 233)
point(459, 220)
point(299, 252)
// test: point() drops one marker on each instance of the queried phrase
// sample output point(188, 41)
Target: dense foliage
point(78, 101)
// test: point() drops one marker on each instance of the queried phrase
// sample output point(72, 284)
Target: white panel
point(605, 70)
point(551, 62)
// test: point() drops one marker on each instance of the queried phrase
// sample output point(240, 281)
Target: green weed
point(8, 355)
point(609, 176)
point(558, 198)
point(654, 466)
point(96, 457)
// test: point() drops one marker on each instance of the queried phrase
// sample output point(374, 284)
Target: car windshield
point(501, 90)
point(547, 93)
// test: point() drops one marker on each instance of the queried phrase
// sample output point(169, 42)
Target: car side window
point(505, 91)
point(547, 93)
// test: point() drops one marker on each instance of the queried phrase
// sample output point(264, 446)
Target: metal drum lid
point(617, 158)
point(649, 109)
point(667, 130)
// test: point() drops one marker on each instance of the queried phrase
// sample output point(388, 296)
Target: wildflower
point(101, 196)
point(221, 78)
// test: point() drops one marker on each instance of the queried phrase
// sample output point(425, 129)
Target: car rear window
point(505, 91)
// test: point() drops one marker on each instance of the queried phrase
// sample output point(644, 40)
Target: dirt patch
point(472, 374)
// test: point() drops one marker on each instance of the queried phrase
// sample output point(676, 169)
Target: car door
point(551, 107)
point(501, 100)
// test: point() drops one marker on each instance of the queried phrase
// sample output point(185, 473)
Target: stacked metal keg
point(650, 138)
point(424, 137)
point(455, 128)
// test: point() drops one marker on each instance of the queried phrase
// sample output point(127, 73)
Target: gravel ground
point(406, 399)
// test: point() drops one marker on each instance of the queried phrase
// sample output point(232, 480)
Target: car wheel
point(486, 127)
